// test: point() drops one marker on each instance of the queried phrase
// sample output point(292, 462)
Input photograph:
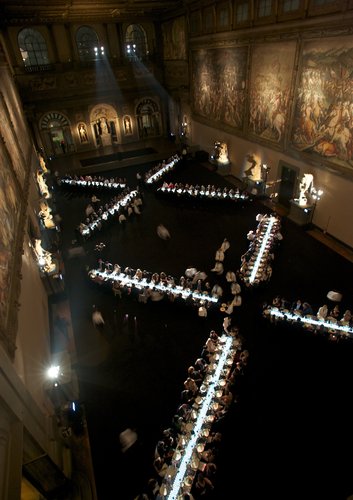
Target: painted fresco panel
point(219, 84)
point(14, 107)
point(323, 121)
point(6, 131)
point(174, 44)
point(271, 77)
point(9, 216)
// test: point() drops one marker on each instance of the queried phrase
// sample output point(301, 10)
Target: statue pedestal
point(300, 214)
point(223, 168)
point(255, 187)
point(106, 140)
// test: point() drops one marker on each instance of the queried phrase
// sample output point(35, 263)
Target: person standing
point(97, 318)
point(225, 245)
point(163, 232)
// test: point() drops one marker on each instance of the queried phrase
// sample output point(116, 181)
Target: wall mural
point(219, 84)
point(9, 216)
point(14, 107)
point(174, 44)
point(323, 122)
point(271, 76)
point(7, 132)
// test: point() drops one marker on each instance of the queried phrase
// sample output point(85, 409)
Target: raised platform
point(120, 155)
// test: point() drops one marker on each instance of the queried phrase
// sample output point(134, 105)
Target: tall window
point(208, 20)
point(195, 22)
point(322, 2)
point(88, 45)
point(265, 8)
point(135, 42)
point(242, 12)
point(290, 5)
point(33, 48)
point(223, 17)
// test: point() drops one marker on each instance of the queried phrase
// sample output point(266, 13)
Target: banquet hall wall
point(28, 426)
point(262, 63)
point(26, 416)
point(333, 211)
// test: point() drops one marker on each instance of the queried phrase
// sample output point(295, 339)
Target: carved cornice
point(308, 28)
point(56, 11)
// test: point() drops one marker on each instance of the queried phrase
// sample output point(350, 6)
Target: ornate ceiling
point(39, 11)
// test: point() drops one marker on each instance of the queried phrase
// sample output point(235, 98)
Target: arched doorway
point(148, 119)
point(56, 134)
point(104, 122)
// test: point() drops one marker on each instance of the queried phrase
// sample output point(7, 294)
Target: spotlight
point(53, 372)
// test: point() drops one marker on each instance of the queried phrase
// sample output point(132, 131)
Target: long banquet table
point(163, 170)
point(187, 457)
point(267, 229)
point(124, 279)
point(331, 326)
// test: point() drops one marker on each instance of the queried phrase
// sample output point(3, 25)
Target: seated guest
point(226, 400)
point(226, 324)
point(177, 423)
point(161, 449)
point(214, 440)
point(210, 470)
point(235, 288)
point(219, 255)
point(117, 289)
point(202, 312)
point(205, 354)
point(138, 274)
point(203, 485)
point(160, 466)
point(187, 396)
point(201, 365)
point(152, 488)
point(322, 312)
point(230, 276)
point(237, 301)
point(244, 356)
point(216, 291)
point(184, 411)
point(225, 245)
point(156, 296)
point(218, 268)
point(307, 309)
point(297, 306)
point(195, 374)
point(210, 345)
point(214, 336)
point(335, 312)
point(347, 317)
point(191, 385)
point(277, 301)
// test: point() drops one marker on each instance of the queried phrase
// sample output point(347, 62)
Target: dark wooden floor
point(289, 434)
